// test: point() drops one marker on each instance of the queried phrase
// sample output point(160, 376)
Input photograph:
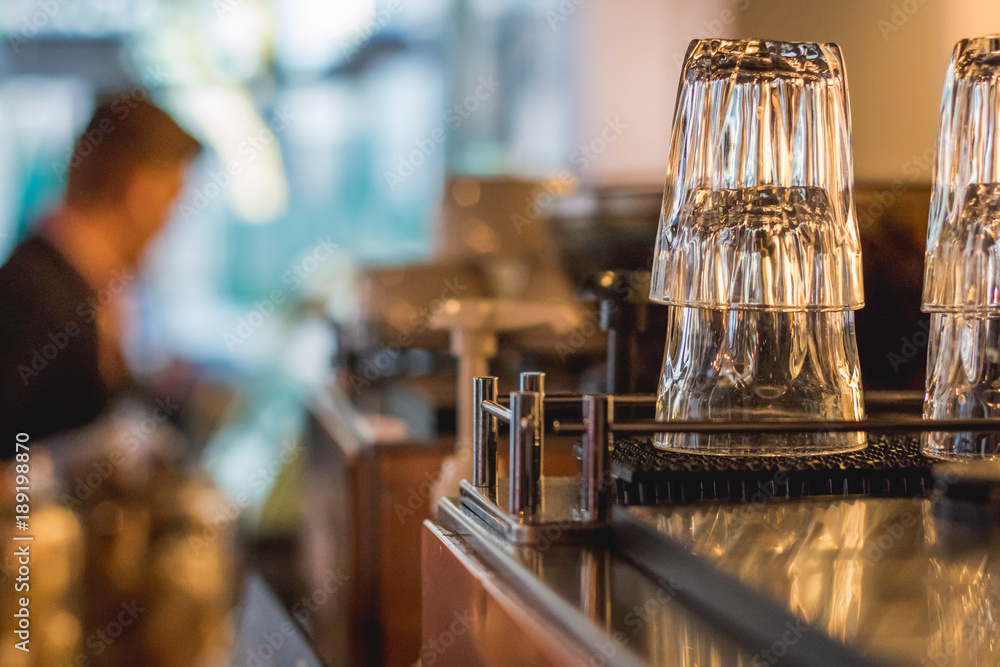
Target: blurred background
point(365, 164)
point(372, 103)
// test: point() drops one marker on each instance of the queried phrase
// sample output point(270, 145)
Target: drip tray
point(891, 466)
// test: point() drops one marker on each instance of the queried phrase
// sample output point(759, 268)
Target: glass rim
point(977, 312)
point(742, 50)
point(977, 58)
point(771, 308)
point(781, 42)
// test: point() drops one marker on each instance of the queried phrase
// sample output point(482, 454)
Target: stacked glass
point(758, 253)
point(962, 266)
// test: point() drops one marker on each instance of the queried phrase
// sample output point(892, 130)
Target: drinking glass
point(962, 265)
point(757, 252)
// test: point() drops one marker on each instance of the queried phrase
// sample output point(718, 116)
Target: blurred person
point(61, 363)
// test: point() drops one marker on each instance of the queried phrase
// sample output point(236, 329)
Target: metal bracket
point(533, 507)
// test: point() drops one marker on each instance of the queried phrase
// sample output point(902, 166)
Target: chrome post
point(484, 437)
point(598, 414)
point(524, 476)
point(536, 382)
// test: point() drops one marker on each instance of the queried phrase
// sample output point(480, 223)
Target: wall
point(896, 53)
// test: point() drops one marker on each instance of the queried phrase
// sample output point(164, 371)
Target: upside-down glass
point(758, 253)
point(962, 266)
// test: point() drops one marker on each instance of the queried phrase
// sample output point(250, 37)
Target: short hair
point(127, 132)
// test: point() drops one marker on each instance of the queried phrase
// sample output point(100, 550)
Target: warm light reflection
point(466, 192)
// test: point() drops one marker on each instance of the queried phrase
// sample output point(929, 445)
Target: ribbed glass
point(963, 382)
point(757, 251)
point(746, 365)
point(758, 208)
point(962, 269)
point(962, 265)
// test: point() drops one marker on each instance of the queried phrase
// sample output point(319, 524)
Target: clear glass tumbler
point(962, 266)
point(758, 252)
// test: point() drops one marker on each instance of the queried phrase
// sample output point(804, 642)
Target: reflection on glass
point(963, 600)
point(808, 556)
point(883, 575)
point(641, 618)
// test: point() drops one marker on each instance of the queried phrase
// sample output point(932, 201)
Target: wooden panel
point(470, 619)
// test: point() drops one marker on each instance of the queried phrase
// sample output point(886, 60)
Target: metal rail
point(494, 409)
point(638, 427)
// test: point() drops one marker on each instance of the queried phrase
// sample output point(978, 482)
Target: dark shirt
point(49, 377)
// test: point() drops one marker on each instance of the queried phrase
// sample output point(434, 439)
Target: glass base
point(963, 382)
point(745, 366)
point(961, 446)
point(771, 444)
